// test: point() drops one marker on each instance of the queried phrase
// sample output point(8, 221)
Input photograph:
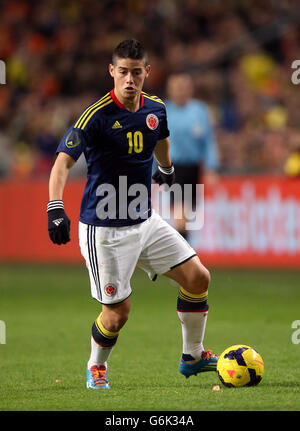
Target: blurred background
point(239, 54)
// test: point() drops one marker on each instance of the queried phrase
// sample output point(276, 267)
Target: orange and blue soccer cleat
point(207, 362)
point(96, 377)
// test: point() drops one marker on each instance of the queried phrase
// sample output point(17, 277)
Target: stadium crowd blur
point(238, 52)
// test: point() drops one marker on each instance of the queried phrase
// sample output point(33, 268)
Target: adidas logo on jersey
point(58, 221)
point(117, 125)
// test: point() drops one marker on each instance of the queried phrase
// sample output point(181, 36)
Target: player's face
point(129, 76)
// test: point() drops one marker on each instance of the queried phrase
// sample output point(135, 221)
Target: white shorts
point(113, 253)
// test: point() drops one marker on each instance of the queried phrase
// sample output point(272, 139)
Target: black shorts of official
point(188, 174)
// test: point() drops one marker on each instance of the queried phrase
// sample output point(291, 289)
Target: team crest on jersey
point(152, 121)
point(110, 289)
point(73, 139)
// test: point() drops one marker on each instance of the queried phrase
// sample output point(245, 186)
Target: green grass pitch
point(48, 314)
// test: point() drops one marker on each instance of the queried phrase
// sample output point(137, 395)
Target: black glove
point(58, 223)
point(164, 175)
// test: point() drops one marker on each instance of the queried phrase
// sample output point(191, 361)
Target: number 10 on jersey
point(135, 142)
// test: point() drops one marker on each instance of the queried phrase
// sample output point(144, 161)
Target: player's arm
point(162, 152)
point(59, 175)
point(165, 169)
point(58, 221)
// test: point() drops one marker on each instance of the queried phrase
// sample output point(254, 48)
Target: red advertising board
point(251, 222)
point(248, 222)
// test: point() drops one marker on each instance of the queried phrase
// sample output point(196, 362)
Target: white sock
point(193, 329)
point(99, 355)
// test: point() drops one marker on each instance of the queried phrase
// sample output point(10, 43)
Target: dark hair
point(130, 48)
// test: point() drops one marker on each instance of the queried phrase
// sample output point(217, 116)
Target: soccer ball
point(240, 365)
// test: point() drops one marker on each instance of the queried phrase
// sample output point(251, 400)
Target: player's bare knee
point(115, 316)
point(114, 322)
point(198, 282)
point(122, 319)
point(204, 280)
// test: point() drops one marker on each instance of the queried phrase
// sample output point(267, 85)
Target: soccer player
point(119, 134)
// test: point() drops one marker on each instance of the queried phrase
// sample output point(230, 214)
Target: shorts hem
point(168, 268)
point(112, 303)
point(183, 261)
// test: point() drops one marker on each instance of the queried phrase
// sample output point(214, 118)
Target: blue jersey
point(118, 147)
point(192, 135)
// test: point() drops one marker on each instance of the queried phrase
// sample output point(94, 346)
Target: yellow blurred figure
point(258, 68)
point(292, 164)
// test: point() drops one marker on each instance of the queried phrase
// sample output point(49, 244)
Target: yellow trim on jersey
point(154, 98)
point(192, 297)
point(103, 331)
point(94, 111)
point(87, 110)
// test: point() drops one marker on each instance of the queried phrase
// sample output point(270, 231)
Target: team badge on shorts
point(110, 289)
point(152, 121)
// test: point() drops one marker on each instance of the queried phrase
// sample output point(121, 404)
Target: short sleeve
point(72, 143)
point(75, 140)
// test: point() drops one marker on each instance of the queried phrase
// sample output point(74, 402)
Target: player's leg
point(192, 309)
point(169, 254)
point(105, 333)
point(111, 255)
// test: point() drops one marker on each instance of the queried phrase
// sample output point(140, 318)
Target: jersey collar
point(119, 104)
